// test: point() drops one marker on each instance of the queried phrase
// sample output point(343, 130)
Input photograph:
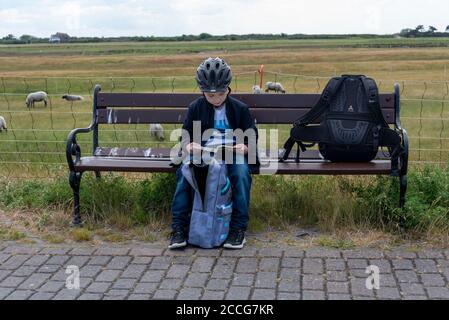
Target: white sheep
point(274, 86)
point(256, 89)
point(71, 97)
point(3, 124)
point(157, 131)
point(36, 97)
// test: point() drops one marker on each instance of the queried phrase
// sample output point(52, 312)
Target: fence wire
point(34, 144)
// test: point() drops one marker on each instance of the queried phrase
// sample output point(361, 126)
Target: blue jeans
point(241, 180)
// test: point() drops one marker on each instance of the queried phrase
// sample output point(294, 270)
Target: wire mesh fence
point(34, 144)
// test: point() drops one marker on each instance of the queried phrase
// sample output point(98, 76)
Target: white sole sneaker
point(238, 246)
point(177, 245)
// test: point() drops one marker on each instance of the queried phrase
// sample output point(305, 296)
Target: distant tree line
point(419, 31)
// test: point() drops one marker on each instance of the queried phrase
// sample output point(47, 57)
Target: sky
point(172, 18)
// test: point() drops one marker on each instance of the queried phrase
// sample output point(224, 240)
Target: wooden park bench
point(171, 108)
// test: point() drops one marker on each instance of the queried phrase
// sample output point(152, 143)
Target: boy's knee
point(240, 171)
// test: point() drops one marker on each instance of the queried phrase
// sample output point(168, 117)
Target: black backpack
point(352, 126)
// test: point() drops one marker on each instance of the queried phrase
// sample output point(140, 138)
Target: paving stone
point(172, 284)
point(119, 263)
point(312, 282)
point(312, 265)
point(178, 271)
point(147, 252)
point(14, 262)
point(52, 286)
point(266, 280)
point(263, 294)
point(339, 296)
point(335, 264)
point(108, 276)
point(160, 263)
point(313, 295)
point(85, 251)
point(269, 264)
point(412, 288)
point(20, 295)
point(289, 296)
point(426, 266)
point(139, 297)
point(388, 293)
point(289, 286)
point(218, 284)
point(124, 284)
point(291, 262)
point(337, 287)
point(99, 260)
point(165, 294)
point(224, 268)
point(402, 264)
point(433, 280)
point(336, 276)
point(58, 260)
point(133, 271)
point(213, 295)
point(270, 252)
point(357, 263)
point(145, 288)
point(37, 260)
point(190, 294)
point(293, 253)
point(323, 253)
point(67, 294)
point(408, 276)
point(34, 281)
point(98, 287)
point(431, 254)
point(41, 296)
point(243, 279)
point(111, 251)
point(238, 293)
point(153, 276)
point(197, 280)
point(246, 265)
point(91, 296)
point(24, 271)
point(4, 292)
point(438, 292)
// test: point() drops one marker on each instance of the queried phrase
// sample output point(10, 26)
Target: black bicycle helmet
point(213, 75)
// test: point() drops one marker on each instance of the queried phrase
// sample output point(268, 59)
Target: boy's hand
point(193, 146)
point(241, 148)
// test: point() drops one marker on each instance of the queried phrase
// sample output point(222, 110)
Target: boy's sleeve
point(188, 127)
point(248, 123)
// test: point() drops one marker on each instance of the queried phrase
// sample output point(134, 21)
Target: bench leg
point(75, 181)
point(403, 190)
point(97, 174)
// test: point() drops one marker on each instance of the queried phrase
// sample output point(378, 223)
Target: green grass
point(330, 203)
point(34, 146)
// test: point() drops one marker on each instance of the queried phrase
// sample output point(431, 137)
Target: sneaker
point(178, 239)
point(235, 240)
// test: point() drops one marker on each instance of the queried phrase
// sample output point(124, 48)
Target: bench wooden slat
point(262, 116)
point(165, 153)
point(312, 167)
point(182, 100)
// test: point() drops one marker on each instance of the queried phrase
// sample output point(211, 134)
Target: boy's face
point(216, 98)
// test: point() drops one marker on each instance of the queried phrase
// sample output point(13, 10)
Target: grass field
point(37, 136)
point(34, 146)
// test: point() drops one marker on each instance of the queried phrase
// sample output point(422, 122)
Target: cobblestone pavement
point(152, 272)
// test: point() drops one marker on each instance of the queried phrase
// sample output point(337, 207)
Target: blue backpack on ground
point(209, 223)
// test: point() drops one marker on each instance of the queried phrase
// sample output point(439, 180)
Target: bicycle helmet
point(213, 75)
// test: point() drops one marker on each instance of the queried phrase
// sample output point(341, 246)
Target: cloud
point(176, 17)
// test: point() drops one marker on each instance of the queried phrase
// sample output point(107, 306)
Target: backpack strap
point(372, 94)
point(323, 103)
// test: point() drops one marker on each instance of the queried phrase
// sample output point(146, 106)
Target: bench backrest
point(143, 108)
